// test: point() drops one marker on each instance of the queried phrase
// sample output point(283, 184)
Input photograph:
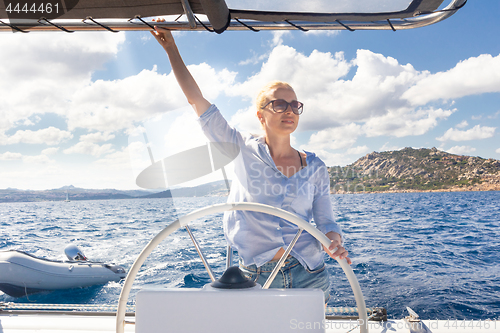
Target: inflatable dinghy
point(23, 274)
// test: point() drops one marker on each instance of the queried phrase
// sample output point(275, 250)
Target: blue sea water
point(437, 253)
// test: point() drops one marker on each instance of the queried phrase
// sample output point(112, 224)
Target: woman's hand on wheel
point(336, 241)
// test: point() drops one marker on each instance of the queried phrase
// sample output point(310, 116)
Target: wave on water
point(434, 252)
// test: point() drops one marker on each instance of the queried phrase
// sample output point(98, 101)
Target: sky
point(74, 107)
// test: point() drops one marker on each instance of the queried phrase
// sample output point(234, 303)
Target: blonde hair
point(261, 98)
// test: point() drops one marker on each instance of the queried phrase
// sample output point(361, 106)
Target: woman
point(268, 170)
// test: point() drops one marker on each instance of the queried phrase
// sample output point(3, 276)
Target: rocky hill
point(410, 170)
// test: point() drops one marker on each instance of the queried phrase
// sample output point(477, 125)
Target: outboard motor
point(74, 253)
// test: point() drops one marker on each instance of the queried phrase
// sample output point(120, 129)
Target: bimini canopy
point(220, 15)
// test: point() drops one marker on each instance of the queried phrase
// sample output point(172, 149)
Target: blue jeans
point(291, 275)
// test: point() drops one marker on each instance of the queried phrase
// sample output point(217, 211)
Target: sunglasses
point(280, 106)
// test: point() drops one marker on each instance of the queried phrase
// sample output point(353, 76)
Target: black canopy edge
point(220, 20)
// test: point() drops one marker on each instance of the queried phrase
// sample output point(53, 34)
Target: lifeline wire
point(63, 307)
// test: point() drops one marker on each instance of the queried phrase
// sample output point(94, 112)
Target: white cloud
point(211, 82)
point(278, 37)
point(324, 32)
point(184, 133)
point(277, 40)
point(50, 151)
point(45, 69)
point(97, 137)
point(334, 138)
point(359, 150)
point(66, 53)
point(460, 150)
point(166, 134)
point(246, 120)
point(388, 147)
point(34, 176)
point(494, 116)
point(325, 142)
point(305, 73)
point(380, 97)
point(309, 75)
point(28, 159)
point(9, 156)
point(39, 173)
point(254, 59)
point(334, 159)
point(374, 90)
point(372, 98)
point(121, 157)
point(50, 136)
point(89, 148)
point(38, 159)
point(476, 133)
point(113, 169)
point(113, 105)
point(472, 76)
point(497, 151)
point(403, 122)
point(27, 121)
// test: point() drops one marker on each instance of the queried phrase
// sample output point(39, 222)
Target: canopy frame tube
point(236, 23)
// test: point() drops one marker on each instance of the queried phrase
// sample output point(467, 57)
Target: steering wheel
point(219, 208)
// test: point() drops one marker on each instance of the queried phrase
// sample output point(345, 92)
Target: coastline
point(474, 188)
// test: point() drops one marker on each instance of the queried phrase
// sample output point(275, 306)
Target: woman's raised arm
point(182, 74)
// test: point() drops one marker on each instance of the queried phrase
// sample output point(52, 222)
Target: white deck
point(435, 326)
point(59, 323)
point(67, 323)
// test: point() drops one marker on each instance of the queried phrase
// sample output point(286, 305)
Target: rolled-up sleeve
point(217, 129)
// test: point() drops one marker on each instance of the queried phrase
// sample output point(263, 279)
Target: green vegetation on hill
point(413, 169)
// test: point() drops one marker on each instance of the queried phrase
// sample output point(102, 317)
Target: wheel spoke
point(200, 253)
point(229, 256)
point(280, 263)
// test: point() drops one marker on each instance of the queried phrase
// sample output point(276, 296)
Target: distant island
point(217, 188)
point(406, 170)
point(415, 170)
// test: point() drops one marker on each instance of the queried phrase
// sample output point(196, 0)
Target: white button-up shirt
point(258, 236)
